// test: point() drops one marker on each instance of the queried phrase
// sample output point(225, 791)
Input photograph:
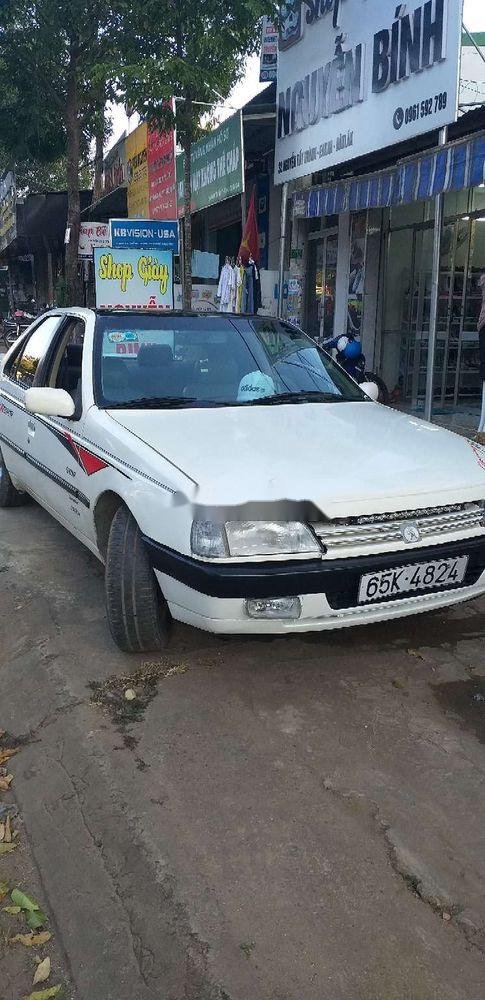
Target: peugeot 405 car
point(231, 476)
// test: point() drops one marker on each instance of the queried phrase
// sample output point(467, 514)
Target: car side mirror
point(371, 389)
point(49, 402)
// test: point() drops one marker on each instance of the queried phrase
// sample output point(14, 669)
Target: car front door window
point(55, 448)
point(18, 375)
point(24, 368)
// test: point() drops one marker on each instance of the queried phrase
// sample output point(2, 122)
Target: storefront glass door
point(407, 313)
point(321, 285)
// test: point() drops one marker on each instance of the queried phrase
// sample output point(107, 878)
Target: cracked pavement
point(296, 819)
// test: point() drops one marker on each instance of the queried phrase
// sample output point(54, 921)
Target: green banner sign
point(217, 163)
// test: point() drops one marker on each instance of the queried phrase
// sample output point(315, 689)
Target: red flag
point(250, 240)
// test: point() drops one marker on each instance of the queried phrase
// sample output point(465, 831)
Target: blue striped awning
point(452, 168)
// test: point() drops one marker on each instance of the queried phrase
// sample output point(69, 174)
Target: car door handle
point(30, 429)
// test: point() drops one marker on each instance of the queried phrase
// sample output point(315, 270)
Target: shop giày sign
point(356, 76)
point(130, 279)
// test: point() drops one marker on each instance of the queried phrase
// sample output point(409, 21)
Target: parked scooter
point(352, 359)
point(14, 324)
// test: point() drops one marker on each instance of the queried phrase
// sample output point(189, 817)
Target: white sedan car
point(230, 475)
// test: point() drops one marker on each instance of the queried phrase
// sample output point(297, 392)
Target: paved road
point(298, 819)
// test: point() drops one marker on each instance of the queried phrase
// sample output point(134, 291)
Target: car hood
point(345, 458)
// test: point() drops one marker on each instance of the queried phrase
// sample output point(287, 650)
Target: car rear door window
point(24, 368)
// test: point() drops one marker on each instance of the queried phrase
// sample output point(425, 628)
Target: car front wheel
point(138, 615)
point(9, 495)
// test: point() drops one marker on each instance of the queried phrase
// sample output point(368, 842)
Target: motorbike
point(14, 324)
point(351, 357)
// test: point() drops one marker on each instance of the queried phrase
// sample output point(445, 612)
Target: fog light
point(276, 607)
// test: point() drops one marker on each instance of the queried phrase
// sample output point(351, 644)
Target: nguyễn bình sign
point(133, 279)
point(355, 76)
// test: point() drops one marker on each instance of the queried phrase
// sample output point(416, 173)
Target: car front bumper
point(213, 596)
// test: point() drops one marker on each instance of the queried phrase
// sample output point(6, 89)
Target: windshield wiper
point(153, 402)
point(309, 396)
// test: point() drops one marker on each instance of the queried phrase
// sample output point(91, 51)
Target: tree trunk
point(98, 160)
point(187, 247)
point(73, 129)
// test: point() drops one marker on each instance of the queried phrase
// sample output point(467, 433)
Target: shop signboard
point(114, 167)
point(162, 192)
point(262, 214)
point(472, 73)
point(8, 210)
point(138, 234)
point(269, 51)
point(137, 169)
point(91, 235)
point(217, 163)
point(355, 76)
point(133, 279)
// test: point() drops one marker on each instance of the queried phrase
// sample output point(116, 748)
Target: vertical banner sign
point(217, 166)
point(8, 210)
point(131, 279)
point(137, 165)
point(269, 52)
point(355, 76)
point(262, 214)
point(162, 185)
point(114, 167)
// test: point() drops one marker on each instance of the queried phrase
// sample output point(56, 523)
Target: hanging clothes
point(240, 278)
point(226, 288)
point(253, 289)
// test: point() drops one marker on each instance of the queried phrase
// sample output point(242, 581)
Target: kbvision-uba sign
point(358, 75)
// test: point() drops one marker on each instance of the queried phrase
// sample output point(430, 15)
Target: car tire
point(9, 495)
point(138, 614)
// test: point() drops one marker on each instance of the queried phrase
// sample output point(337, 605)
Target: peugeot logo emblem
point(411, 533)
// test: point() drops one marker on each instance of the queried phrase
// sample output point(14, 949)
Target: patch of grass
point(247, 948)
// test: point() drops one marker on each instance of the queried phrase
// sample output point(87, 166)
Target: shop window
point(407, 215)
point(456, 203)
point(399, 307)
point(355, 299)
point(478, 199)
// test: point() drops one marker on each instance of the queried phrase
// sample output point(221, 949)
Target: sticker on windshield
point(255, 385)
point(123, 336)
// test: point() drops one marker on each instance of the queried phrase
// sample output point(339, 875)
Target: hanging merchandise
point(240, 280)
point(252, 297)
point(250, 240)
point(227, 287)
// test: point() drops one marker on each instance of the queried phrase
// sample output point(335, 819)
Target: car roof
point(169, 313)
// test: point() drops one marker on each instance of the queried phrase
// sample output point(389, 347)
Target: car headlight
point(252, 538)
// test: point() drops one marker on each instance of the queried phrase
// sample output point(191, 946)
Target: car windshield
point(148, 361)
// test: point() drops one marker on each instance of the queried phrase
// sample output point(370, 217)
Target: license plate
point(406, 579)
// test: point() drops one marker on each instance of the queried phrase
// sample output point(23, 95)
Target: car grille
point(364, 533)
